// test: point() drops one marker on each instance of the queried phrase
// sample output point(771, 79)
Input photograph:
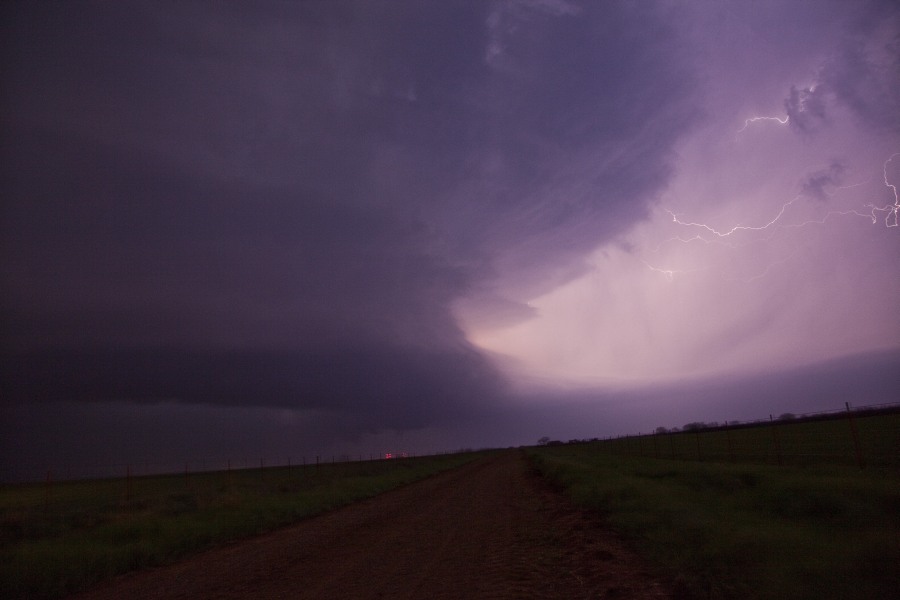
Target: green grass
point(744, 531)
point(783, 442)
point(60, 538)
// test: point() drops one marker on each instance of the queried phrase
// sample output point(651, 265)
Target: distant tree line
point(546, 441)
point(695, 426)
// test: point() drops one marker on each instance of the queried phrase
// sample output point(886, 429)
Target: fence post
point(777, 442)
point(47, 492)
point(128, 484)
point(856, 447)
point(671, 445)
point(730, 448)
point(697, 438)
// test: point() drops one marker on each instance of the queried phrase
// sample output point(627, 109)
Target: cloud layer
point(280, 209)
point(404, 214)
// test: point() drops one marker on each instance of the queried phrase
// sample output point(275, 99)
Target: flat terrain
point(491, 529)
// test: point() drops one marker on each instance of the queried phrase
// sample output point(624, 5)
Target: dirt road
point(491, 529)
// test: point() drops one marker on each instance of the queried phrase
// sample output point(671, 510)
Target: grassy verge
point(745, 531)
point(837, 441)
point(61, 539)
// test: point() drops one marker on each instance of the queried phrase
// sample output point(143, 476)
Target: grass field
point(60, 538)
point(774, 511)
point(744, 530)
point(839, 441)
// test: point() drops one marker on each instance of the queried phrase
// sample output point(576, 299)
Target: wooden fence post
point(47, 492)
point(697, 439)
point(128, 484)
point(777, 442)
point(730, 448)
point(856, 446)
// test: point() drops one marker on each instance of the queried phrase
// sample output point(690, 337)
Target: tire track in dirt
point(490, 529)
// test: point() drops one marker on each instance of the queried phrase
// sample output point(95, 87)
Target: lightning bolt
point(736, 228)
point(891, 219)
point(775, 224)
point(670, 274)
point(765, 271)
point(751, 120)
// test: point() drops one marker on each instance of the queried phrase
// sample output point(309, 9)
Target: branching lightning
point(751, 120)
point(710, 234)
point(670, 274)
point(891, 219)
point(736, 228)
point(765, 271)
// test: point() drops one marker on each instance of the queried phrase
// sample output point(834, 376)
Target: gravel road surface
point(491, 529)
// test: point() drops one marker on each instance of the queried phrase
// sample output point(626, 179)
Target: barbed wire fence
point(861, 436)
point(867, 436)
point(36, 472)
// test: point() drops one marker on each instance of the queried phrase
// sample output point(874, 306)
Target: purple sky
point(276, 229)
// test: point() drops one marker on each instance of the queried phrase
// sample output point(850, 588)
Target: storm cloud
point(234, 206)
point(403, 214)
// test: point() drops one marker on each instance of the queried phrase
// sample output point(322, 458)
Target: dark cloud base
point(276, 207)
point(393, 386)
point(279, 206)
point(96, 438)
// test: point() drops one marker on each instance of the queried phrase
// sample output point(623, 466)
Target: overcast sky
point(274, 229)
